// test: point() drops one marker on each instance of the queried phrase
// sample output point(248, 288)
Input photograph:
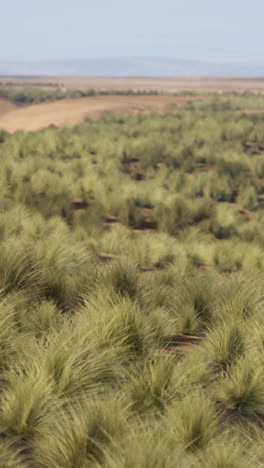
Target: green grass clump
point(159, 384)
point(193, 421)
point(11, 456)
point(79, 434)
point(8, 333)
point(225, 343)
point(228, 451)
point(248, 198)
point(174, 216)
point(27, 400)
point(123, 279)
point(223, 223)
point(147, 447)
point(75, 363)
point(41, 317)
point(20, 269)
point(242, 388)
point(121, 323)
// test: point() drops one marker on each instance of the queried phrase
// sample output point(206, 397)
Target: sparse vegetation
point(131, 289)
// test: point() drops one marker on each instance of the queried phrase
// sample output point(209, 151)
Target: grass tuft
point(193, 421)
point(243, 387)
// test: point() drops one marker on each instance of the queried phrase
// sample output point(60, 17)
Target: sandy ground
point(7, 106)
point(141, 83)
point(70, 112)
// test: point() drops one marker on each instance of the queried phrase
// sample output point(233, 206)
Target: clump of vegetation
point(194, 421)
point(242, 388)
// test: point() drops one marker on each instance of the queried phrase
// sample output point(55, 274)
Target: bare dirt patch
point(178, 344)
point(70, 112)
point(6, 106)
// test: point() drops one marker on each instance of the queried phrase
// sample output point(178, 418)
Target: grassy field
point(132, 292)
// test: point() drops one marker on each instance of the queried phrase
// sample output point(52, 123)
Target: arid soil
point(7, 106)
point(70, 112)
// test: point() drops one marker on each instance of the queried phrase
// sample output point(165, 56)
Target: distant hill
point(152, 67)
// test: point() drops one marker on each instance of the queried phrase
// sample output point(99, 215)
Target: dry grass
point(102, 365)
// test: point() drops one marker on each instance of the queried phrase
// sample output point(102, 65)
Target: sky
point(209, 30)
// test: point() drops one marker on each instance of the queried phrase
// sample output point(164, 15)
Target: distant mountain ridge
point(122, 67)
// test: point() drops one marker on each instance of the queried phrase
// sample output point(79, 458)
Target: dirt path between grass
point(70, 112)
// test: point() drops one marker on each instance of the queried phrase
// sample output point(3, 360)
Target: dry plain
point(177, 84)
point(70, 112)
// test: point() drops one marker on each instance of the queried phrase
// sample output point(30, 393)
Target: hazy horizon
point(129, 67)
point(230, 32)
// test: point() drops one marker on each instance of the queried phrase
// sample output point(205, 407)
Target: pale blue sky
point(214, 30)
